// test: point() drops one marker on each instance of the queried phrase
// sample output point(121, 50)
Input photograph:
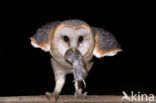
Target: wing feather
point(105, 43)
point(42, 37)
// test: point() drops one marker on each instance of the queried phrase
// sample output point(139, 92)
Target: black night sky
point(25, 70)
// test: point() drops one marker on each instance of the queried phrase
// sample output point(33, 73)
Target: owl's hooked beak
point(73, 50)
point(75, 58)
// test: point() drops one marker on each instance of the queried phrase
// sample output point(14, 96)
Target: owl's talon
point(79, 94)
point(49, 95)
point(85, 94)
point(55, 95)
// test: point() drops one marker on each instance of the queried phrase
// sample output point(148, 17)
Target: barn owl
point(72, 45)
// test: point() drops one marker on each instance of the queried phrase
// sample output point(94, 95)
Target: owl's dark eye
point(66, 38)
point(80, 38)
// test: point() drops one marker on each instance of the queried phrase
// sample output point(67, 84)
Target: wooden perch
point(65, 99)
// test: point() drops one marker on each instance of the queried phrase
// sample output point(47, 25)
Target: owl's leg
point(78, 89)
point(59, 79)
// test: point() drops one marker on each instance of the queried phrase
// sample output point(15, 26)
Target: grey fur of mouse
point(74, 57)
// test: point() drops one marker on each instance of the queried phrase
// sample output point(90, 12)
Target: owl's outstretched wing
point(43, 36)
point(105, 43)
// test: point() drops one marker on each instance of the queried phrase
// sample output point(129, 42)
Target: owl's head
point(72, 34)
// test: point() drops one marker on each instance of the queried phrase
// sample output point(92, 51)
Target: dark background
point(25, 70)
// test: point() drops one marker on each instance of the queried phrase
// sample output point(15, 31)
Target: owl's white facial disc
point(67, 38)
